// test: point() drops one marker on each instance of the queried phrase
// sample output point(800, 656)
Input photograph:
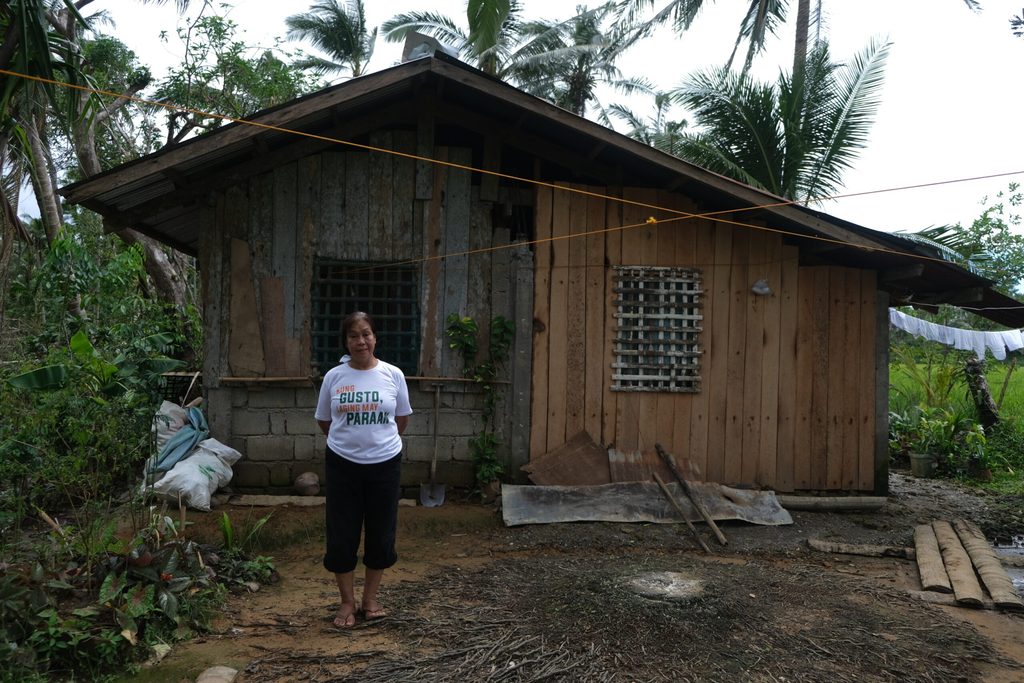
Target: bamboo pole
point(990, 569)
point(929, 560)
point(958, 565)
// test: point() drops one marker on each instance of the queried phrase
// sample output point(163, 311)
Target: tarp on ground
point(636, 501)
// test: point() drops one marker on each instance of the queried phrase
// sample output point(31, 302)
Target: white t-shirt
point(362, 406)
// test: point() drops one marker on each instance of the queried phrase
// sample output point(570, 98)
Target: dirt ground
point(471, 600)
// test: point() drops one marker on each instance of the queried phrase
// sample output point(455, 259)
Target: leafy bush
point(78, 427)
point(955, 438)
point(462, 333)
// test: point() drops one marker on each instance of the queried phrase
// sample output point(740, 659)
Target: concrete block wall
point(274, 430)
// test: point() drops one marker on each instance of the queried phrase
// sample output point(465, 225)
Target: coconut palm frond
point(856, 96)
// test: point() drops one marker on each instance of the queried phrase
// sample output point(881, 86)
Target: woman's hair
point(350, 320)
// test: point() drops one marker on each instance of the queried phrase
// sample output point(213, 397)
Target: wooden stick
point(675, 503)
point(860, 549)
point(958, 565)
point(990, 569)
point(689, 494)
point(929, 560)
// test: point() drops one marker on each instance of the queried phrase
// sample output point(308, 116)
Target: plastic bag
point(198, 476)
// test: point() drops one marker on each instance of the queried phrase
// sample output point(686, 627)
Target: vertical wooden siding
point(787, 391)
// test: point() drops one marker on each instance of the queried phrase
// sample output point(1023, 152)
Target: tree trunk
point(165, 272)
point(8, 233)
point(803, 12)
point(988, 414)
point(46, 196)
point(10, 229)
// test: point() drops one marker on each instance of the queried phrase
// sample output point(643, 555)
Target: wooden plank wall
point(777, 406)
point(348, 205)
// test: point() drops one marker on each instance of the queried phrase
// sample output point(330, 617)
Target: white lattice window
point(657, 329)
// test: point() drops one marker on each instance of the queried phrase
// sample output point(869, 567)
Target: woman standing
point(363, 410)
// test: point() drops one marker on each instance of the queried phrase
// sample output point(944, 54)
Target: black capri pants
point(357, 496)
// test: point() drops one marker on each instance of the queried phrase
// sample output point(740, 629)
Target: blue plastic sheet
point(184, 441)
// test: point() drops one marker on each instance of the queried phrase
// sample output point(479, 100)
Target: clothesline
point(999, 343)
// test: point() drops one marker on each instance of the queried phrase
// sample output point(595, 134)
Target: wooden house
point(653, 301)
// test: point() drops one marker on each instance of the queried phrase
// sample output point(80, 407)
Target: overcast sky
point(951, 101)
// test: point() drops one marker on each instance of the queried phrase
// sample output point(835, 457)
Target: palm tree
point(794, 138)
point(339, 31)
point(659, 131)
point(763, 18)
point(494, 31)
point(41, 39)
point(566, 61)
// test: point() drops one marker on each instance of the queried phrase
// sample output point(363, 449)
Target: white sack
point(195, 479)
point(226, 453)
point(168, 419)
point(197, 476)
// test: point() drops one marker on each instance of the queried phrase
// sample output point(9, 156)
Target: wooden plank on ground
point(958, 565)
point(542, 318)
point(577, 462)
point(863, 550)
point(990, 569)
point(831, 503)
point(929, 560)
point(245, 345)
point(788, 316)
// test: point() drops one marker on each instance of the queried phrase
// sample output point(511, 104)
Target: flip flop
point(343, 620)
point(372, 614)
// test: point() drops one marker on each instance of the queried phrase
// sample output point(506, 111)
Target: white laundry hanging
point(964, 340)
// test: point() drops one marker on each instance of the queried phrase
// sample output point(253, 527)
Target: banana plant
point(101, 378)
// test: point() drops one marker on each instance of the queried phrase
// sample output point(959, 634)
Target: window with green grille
point(388, 292)
point(657, 327)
